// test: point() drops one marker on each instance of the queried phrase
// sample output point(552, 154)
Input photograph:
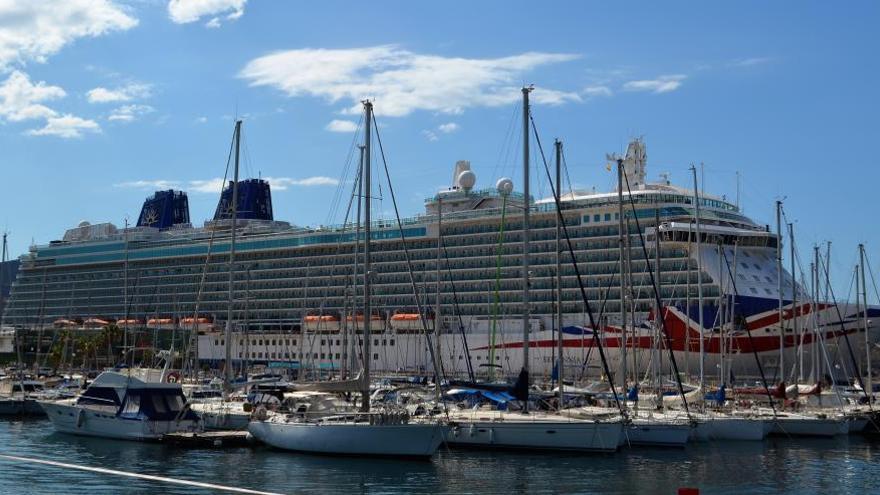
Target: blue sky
point(101, 101)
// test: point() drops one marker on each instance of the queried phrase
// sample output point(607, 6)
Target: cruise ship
point(296, 290)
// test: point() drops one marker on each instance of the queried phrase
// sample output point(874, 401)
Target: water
point(839, 465)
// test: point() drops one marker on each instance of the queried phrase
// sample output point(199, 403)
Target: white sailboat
point(533, 430)
point(392, 433)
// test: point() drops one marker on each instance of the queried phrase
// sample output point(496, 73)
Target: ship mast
point(365, 392)
point(526, 242)
point(227, 385)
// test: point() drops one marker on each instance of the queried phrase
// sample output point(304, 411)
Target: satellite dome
point(466, 180)
point(84, 223)
point(504, 186)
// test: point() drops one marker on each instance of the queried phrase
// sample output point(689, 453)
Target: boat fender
point(172, 377)
point(491, 435)
point(80, 418)
point(473, 429)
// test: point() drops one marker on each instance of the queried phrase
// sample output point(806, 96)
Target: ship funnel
point(164, 209)
point(463, 177)
point(254, 201)
point(634, 162)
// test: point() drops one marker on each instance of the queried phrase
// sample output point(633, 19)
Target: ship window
point(756, 266)
point(253, 341)
point(337, 355)
point(391, 342)
point(767, 291)
point(286, 341)
point(223, 342)
point(596, 218)
point(323, 342)
point(286, 355)
point(754, 290)
point(768, 279)
point(159, 404)
point(375, 357)
point(744, 265)
point(337, 341)
point(757, 278)
point(322, 355)
point(273, 341)
point(586, 220)
point(376, 342)
point(607, 217)
point(216, 342)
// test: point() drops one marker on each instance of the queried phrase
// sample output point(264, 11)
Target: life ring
point(173, 377)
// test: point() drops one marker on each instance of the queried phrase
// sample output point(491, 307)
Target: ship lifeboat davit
point(409, 322)
point(322, 323)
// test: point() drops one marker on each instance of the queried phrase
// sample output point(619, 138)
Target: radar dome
point(84, 223)
point(466, 180)
point(504, 186)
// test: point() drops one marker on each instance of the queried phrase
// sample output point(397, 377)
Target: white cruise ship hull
point(358, 439)
point(66, 417)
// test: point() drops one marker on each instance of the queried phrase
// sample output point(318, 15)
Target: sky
point(103, 102)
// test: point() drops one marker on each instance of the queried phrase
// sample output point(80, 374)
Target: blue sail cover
point(164, 209)
point(254, 201)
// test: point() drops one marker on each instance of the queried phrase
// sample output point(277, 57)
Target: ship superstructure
point(295, 287)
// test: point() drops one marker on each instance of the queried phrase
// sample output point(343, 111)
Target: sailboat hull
point(403, 440)
point(657, 433)
point(510, 433)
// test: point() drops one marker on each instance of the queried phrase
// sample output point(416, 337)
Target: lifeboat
point(64, 323)
point(95, 322)
point(130, 321)
point(157, 322)
point(408, 322)
point(377, 322)
point(322, 323)
point(199, 321)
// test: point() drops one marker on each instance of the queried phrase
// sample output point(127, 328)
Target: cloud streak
point(341, 126)
point(124, 93)
point(187, 11)
point(401, 81)
point(662, 84)
point(213, 186)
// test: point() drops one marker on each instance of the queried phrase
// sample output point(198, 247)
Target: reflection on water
point(840, 465)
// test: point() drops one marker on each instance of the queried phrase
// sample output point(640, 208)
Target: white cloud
point(186, 11)
point(201, 120)
point(448, 128)
point(34, 30)
point(128, 113)
point(430, 135)
point(213, 186)
point(401, 81)
point(596, 91)
point(20, 99)
point(124, 93)
point(662, 84)
point(66, 126)
point(341, 126)
point(749, 62)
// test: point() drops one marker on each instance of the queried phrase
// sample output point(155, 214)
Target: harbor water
point(844, 464)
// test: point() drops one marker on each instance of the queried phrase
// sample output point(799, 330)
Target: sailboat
point(524, 429)
point(376, 433)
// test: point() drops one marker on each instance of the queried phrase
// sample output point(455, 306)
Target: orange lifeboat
point(160, 321)
point(377, 322)
point(64, 323)
point(130, 321)
point(95, 322)
point(322, 323)
point(199, 321)
point(404, 321)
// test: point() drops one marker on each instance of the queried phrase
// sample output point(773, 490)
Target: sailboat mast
point(622, 264)
point(233, 225)
point(2, 279)
point(437, 303)
point(699, 280)
point(869, 386)
point(794, 292)
point(526, 240)
point(779, 288)
point(125, 292)
point(560, 344)
point(368, 120)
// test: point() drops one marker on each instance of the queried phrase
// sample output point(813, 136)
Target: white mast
point(699, 279)
point(560, 344)
point(781, 366)
point(233, 225)
point(868, 383)
point(794, 288)
point(622, 264)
